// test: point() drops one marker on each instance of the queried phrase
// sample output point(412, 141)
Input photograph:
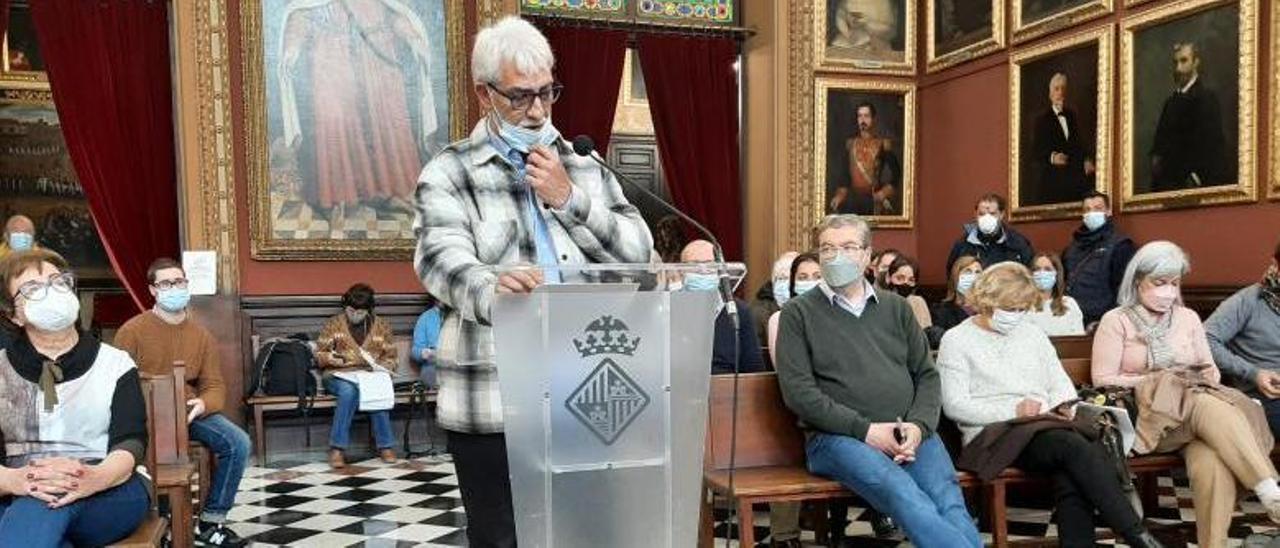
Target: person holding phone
point(1222, 434)
point(998, 367)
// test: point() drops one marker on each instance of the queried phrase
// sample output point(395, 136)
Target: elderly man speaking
point(512, 193)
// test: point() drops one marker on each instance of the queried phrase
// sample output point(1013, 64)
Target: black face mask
point(901, 289)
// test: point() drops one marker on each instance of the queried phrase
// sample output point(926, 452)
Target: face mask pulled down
point(523, 138)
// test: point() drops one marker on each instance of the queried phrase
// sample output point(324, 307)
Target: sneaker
point(217, 534)
point(882, 526)
point(1273, 510)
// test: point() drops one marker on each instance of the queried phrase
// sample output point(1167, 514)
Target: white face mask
point(1159, 299)
point(1094, 220)
point(58, 310)
point(965, 282)
point(988, 223)
point(1005, 321)
point(803, 286)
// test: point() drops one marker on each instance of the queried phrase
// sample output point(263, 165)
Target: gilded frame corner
point(991, 44)
point(825, 62)
point(1274, 190)
point(817, 185)
point(264, 246)
point(1246, 187)
point(1023, 31)
point(1103, 37)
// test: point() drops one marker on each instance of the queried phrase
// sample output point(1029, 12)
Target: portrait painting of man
point(1058, 133)
point(1185, 101)
point(865, 151)
point(958, 24)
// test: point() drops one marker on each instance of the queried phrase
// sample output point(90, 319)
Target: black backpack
point(285, 367)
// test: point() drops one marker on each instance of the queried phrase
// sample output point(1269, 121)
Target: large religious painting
point(347, 100)
point(38, 180)
point(1060, 122)
point(874, 36)
point(864, 142)
point(960, 30)
point(1034, 18)
point(21, 64)
point(1187, 83)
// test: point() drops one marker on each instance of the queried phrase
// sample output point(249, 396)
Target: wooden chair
point(167, 457)
point(152, 531)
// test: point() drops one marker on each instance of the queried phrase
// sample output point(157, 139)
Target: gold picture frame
point(265, 240)
point(1275, 102)
point(935, 62)
point(832, 58)
point(1102, 38)
point(1244, 188)
point(21, 29)
point(1029, 28)
point(862, 90)
point(632, 116)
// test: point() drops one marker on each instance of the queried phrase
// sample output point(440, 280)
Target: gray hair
point(1057, 77)
point(1160, 260)
point(841, 221)
point(782, 266)
point(510, 40)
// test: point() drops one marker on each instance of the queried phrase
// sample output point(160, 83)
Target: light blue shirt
point(542, 241)
point(853, 307)
point(426, 333)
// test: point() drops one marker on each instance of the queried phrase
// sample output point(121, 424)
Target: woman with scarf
point(72, 417)
point(1244, 335)
point(1154, 344)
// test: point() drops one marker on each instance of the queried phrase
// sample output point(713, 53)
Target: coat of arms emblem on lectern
point(608, 400)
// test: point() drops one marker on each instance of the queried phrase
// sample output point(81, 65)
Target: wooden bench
point(259, 405)
point(769, 463)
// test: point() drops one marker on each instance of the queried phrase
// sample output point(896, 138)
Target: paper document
point(376, 390)
point(201, 268)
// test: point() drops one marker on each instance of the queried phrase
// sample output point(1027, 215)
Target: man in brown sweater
point(163, 335)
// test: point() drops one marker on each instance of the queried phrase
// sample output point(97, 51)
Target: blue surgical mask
point(174, 299)
point(803, 286)
point(701, 282)
point(965, 282)
point(1094, 220)
point(781, 291)
point(21, 241)
point(1045, 279)
point(524, 139)
point(841, 271)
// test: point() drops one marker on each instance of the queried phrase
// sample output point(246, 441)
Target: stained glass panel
point(700, 11)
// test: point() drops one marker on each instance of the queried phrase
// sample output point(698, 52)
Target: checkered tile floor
point(417, 503)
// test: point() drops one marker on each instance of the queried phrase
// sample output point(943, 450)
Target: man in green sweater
point(854, 366)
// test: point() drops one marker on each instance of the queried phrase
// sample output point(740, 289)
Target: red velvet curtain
point(589, 64)
point(693, 99)
point(108, 65)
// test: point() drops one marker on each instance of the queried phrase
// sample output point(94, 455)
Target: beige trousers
point(1223, 453)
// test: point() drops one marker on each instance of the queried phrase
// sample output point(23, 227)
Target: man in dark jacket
point(1190, 149)
point(1065, 166)
point(1096, 258)
point(989, 239)
point(748, 355)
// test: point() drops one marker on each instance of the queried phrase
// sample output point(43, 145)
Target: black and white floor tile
point(416, 503)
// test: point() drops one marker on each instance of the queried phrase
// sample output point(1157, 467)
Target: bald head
point(19, 223)
point(698, 251)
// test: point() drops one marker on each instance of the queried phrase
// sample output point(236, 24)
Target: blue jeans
point(922, 497)
point(230, 446)
point(348, 395)
point(1272, 407)
point(99, 520)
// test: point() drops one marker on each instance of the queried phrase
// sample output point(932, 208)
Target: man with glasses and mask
point(165, 334)
point(854, 367)
point(749, 359)
point(512, 193)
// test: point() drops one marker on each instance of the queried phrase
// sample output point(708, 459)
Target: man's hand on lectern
point(519, 281)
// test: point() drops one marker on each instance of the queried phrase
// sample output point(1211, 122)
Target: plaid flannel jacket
point(471, 214)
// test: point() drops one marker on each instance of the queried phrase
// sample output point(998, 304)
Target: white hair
point(510, 40)
point(1159, 260)
point(1057, 77)
point(782, 266)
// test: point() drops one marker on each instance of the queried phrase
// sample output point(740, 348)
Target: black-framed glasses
point(829, 251)
point(522, 100)
point(35, 290)
point(180, 283)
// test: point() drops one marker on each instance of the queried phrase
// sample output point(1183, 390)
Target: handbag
point(1111, 396)
point(1099, 426)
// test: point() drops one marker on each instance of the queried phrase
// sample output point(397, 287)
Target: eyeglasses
point(180, 283)
point(35, 290)
point(828, 251)
point(522, 100)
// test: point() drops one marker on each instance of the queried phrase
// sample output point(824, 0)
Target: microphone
point(584, 145)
